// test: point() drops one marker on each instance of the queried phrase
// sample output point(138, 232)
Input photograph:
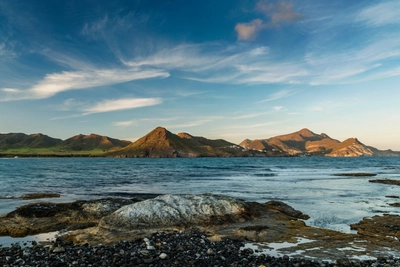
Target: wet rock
point(47, 217)
point(40, 195)
point(386, 181)
point(357, 174)
point(286, 209)
point(386, 227)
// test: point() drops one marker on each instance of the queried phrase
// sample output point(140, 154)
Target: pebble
point(58, 250)
point(193, 252)
point(210, 252)
point(163, 256)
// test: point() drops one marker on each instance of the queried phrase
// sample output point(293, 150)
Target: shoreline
point(273, 228)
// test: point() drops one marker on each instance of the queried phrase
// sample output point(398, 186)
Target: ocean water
point(305, 183)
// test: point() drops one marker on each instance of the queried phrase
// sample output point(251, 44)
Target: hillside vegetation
point(161, 143)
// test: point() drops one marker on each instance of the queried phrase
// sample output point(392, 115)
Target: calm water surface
point(305, 183)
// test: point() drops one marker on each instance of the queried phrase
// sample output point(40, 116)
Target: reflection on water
point(7, 241)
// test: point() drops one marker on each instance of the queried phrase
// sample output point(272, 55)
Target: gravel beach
point(162, 249)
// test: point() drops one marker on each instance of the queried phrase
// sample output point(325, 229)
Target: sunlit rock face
point(172, 210)
point(351, 148)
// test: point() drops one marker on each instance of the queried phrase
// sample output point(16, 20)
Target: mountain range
point(305, 142)
point(162, 143)
point(20, 143)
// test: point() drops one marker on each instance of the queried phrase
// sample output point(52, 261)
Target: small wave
point(323, 220)
point(8, 197)
point(391, 168)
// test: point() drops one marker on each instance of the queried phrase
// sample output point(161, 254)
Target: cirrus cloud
point(55, 83)
point(381, 14)
point(122, 104)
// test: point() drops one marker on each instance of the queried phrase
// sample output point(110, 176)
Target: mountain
point(21, 140)
point(91, 142)
point(306, 142)
point(384, 153)
point(350, 148)
point(297, 143)
point(161, 143)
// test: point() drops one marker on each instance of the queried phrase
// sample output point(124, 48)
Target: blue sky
point(230, 69)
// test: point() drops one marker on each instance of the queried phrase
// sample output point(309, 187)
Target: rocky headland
point(212, 228)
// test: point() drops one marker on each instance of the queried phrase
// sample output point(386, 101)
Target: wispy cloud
point(6, 51)
point(93, 28)
point(72, 80)
point(122, 104)
point(10, 90)
point(71, 104)
point(279, 108)
point(137, 121)
point(123, 123)
point(381, 14)
point(251, 115)
point(214, 63)
point(186, 125)
point(278, 95)
point(348, 64)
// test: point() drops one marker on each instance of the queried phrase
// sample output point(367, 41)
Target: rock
point(210, 252)
point(356, 174)
point(386, 181)
point(286, 209)
point(58, 249)
point(40, 195)
point(46, 217)
point(386, 227)
point(175, 210)
point(163, 256)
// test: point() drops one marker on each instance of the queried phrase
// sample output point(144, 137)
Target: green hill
point(23, 141)
point(91, 142)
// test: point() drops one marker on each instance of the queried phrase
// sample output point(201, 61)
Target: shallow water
point(305, 183)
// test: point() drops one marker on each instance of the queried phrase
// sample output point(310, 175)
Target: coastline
point(269, 233)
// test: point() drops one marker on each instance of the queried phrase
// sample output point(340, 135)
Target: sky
point(230, 69)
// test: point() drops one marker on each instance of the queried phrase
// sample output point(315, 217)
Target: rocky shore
point(192, 230)
point(191, 248)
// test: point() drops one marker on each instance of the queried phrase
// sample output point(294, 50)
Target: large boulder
point(176, 210)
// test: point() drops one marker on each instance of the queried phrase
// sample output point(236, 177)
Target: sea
point(306, 183)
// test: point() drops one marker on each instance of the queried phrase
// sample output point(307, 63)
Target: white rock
point(58, 250)
point(163, 256)
point(210, 252)
point(170, 210)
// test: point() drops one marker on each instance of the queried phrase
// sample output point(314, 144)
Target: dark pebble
point(183, 249)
